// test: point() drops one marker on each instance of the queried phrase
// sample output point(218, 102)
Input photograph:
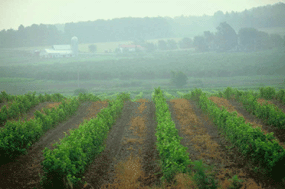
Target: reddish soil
point(277, 103)
point(25, 171)
point(30, 114)
point(130, 146)
point(278, 133)
point(204, 141)
point(233, 105)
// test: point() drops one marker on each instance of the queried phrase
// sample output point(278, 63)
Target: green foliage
point(203, 179)
point(81, 90)
point(200, 44)
point(264, 150)
point(178, 79)
point(168, 96)
point(82, 97)
point(6, 97)
point(92, 48)
point(267, 92)
point(226, 37)
point(22, 103)
point(124, 96)
point(139, 96)
point(66, 163)
point(269, 113)
point(281, 96)
point(17, 136)
point(162, 45)
point(185, 43)
point(174, 157)
point(236, 183)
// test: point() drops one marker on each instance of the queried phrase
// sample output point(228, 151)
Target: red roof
point(131, 46)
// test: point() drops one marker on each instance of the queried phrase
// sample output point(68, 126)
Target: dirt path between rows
point(278, 133)
point(233, 105)
point(130, 145)
point(25, 171)
point(204, 141)
point(30, 113)
point(275, 102)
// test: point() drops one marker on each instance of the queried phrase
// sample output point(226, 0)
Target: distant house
point(130, 48)
point(57, 51)
point(61, 50)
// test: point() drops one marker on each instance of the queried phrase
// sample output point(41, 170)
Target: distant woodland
point(242, 24)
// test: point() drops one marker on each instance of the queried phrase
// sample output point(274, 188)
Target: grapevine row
point(262, 149)
point(21, 104)
point(269, 113)
point(17, 136)
point(174, 156)
point(69, 159)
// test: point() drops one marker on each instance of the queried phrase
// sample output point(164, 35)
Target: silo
point(74, 45)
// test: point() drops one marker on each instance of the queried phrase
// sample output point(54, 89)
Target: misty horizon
point(21, 13)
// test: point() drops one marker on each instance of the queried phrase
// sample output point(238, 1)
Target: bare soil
point(233, 105)
point(204, 140)
point(278, 133)
point(125, 141)
point(25, 171)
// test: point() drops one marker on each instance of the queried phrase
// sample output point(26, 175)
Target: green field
point(209, 71)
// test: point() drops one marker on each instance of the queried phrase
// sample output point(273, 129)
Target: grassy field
point(210, 71)
point(23, 85)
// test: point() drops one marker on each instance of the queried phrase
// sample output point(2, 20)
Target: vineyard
point(229, 139)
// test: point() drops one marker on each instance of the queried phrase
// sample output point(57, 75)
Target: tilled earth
point(130, 158)
point(233, 105)
point(133, 135)
point(204, 141)
point(25, 171)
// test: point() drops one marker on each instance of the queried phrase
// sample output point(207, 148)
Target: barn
point(58, 51)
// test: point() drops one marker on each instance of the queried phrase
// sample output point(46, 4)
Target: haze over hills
point(125, 29)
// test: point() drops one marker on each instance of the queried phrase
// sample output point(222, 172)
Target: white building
point(52, 53)
point(58, 51)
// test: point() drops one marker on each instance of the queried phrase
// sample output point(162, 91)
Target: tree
point(248, 38)
point(172, 45)
point(150, 47)
point(178, 79)
point(209, 39)
point(276, 40)
point(92, 48)
point(262, 41)
point(200, 44)
point(226, 37)
point(162, 45)
point(185, 43)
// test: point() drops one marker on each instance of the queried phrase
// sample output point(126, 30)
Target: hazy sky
point(28, 12)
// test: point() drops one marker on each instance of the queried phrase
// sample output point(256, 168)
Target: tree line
point(224, 39)
point(126, 29)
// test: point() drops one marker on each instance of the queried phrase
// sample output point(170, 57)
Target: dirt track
point(233, 105)
point(123, 140)
point(131, 149)
point(24, 171)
